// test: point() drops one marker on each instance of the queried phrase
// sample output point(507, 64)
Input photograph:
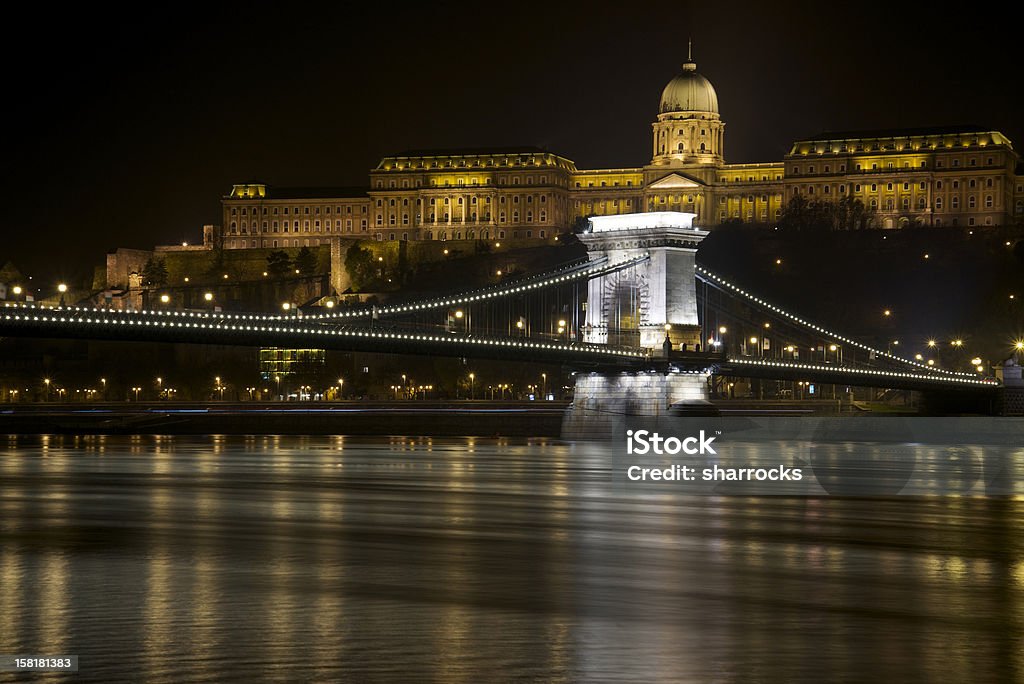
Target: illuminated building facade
point(958, 175)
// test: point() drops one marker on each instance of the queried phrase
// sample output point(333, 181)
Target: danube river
point(168, 559)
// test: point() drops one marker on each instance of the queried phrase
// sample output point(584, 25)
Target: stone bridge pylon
point(638, 305)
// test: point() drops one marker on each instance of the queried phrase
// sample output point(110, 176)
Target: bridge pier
point(604, 400)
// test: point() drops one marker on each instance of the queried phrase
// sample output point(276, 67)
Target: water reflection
point(317, 559)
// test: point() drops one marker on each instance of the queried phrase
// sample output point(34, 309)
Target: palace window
point(988, 201)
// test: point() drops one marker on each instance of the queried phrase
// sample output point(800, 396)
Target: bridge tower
point(659, 298)
point(638, 306)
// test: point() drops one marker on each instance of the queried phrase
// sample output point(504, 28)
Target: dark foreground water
point(340, 559)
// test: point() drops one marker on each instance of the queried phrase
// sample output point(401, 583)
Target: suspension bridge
point(638, 321)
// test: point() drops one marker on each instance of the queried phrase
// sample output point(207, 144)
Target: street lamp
point(208, 296)
point(341, 387)
point(46, 381)
point(62, 288)
point(544, 385)
point(472, 386)
point(165, 298)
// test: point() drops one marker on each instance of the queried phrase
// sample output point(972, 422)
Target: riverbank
point(464, 418)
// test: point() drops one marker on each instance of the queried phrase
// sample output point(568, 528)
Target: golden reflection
point(55, 603)
point(12, 594)
point(205, 603)
point(158, 625)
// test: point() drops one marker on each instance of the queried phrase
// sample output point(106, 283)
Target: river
point(241, 559)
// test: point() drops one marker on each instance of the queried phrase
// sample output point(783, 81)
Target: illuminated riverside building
point(957, 175)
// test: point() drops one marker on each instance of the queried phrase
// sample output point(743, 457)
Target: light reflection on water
point(324, 558)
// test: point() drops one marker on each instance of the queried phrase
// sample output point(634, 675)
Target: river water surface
point(167, 559)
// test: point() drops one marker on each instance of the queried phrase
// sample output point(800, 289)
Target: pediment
point(675, 181)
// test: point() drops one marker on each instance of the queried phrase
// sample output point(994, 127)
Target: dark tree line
point(847, 213)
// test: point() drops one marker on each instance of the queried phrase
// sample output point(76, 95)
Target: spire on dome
point(689, 64)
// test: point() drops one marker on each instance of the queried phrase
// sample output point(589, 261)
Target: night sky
point(124, 129)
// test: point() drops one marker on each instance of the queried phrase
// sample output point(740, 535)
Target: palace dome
point(689, 92)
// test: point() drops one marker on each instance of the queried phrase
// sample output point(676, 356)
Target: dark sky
point(124, 129)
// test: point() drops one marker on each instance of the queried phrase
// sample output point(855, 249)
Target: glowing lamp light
point(931, 343)
point(329, 304)
point(208, 296)
point(976, 361)
point(16, 290)
point(753, 340)
point(165, 298)
point(286, 306)
point(62, 288)
point(459, 314)
point(887, 312)
point(722, 330)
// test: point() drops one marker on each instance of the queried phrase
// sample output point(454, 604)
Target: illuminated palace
point(959, 175)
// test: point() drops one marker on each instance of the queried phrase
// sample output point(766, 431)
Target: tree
point(278, 263)
point(802, 214)
point(305, 261)
point(154, 273)
point(581, 224)
point(362, 270)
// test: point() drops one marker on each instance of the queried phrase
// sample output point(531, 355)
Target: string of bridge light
point(827, 333)
point(862, 371)
point(598, 268)
point(450, 340)
point(595, 267)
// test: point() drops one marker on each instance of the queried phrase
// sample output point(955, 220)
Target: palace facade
point(960, 175)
